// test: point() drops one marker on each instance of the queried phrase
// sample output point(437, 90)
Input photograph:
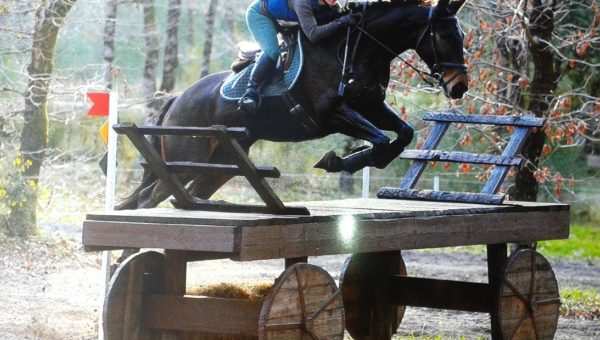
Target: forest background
point(524, 57)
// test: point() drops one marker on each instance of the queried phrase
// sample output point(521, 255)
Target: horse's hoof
point(330, 162)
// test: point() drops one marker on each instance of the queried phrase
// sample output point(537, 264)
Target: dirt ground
point(51, 289)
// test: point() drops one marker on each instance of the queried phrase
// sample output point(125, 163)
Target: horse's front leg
point(385, 118)
point(351, 123)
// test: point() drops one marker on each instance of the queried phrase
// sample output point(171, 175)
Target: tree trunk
point(34, 137)
point(543, 84)
point(151, 59)
point(171, 47)
point(109, 41)
point(208, 38)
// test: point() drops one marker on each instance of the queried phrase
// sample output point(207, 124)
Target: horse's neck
point(397, 28)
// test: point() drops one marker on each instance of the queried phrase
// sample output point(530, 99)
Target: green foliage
point(582, 244)
point(15, 190)
point(580, 303)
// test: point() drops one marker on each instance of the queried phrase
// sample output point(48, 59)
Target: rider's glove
point(351, 19)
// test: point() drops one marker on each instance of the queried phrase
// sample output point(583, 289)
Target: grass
point(583, 243)
point(580, 303)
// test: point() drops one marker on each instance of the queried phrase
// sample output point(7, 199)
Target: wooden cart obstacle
point(304, 303)
point(243, 166)
point(489, 193)
point(147, 297)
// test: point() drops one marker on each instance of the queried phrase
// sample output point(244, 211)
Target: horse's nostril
point(458, 90)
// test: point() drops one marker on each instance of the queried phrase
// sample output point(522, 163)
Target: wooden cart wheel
point(138, 274)
point(365, 291)
point(528, 299)
point(303, 304)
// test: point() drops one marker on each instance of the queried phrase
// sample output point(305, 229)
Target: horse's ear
point(455, 6)
point(442, 4)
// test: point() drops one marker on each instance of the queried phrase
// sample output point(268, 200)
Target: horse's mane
point(383, 12)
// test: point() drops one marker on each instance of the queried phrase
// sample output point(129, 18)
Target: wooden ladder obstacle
point(489, 193)
point(243, 166)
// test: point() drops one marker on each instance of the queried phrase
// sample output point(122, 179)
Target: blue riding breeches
point(263, 30)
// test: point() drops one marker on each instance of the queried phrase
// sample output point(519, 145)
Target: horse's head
point(440, 46)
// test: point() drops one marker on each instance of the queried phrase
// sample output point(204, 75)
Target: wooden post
point(174, 281)
point(496, 257)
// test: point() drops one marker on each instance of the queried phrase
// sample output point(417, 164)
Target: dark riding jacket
point(301, 11)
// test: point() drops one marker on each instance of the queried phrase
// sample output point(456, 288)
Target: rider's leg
point(262, 70)
point(264, 32)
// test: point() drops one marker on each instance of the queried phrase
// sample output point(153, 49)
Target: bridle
point(437, 70)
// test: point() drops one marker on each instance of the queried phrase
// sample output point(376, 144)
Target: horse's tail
point(148, 178)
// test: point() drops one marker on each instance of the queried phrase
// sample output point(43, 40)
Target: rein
point(436, 71)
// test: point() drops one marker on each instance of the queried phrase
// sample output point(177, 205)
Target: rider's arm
point(308, 22)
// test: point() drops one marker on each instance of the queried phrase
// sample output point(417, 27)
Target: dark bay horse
point(389, 29)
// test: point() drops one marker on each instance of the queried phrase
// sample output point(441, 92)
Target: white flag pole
point(109, 202)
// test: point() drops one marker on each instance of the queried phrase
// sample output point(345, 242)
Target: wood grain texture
point(357, 236)
point(444, 196)
point(527, 121)
point(228, 169)
point(138, 275)
point(202, 314)
point(335, 227)
point(304, 303)
point(369, 311)
point(528, 298)
point(460, 157)
point(235, 132)
point(168, 236)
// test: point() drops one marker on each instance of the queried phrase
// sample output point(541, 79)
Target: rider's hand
point(351, 19)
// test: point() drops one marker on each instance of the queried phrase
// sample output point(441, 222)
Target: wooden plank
point(442, 294)
point(156, 162)
point(203, 314)
point(460, 157)
point(209, 205)
point(260, 185)
point(500, 171)
point(526, 121)
point(447, 196)
point(322, 211)
point(496, 258)
point(359, 236)
point(416, 169)
point(235, 132)
point(229, 169)
point(167, 236)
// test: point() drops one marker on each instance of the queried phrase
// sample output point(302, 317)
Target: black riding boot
point(262, 70)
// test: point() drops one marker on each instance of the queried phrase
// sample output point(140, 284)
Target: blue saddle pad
point(235, 85)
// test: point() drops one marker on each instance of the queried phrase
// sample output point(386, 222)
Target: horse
point(360, 111)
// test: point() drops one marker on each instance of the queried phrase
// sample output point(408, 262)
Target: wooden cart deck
point(334, 227)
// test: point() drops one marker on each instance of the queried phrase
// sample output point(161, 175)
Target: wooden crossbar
point(235, 132)
point(229, 169)
point(243, 166)
point(460, 157)
point(528, 121)
point(501, 163)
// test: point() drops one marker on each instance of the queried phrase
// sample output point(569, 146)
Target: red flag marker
point(100, 102)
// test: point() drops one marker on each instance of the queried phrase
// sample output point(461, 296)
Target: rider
point(261, 17)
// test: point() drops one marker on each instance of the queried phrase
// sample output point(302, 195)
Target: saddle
point(285, 77)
